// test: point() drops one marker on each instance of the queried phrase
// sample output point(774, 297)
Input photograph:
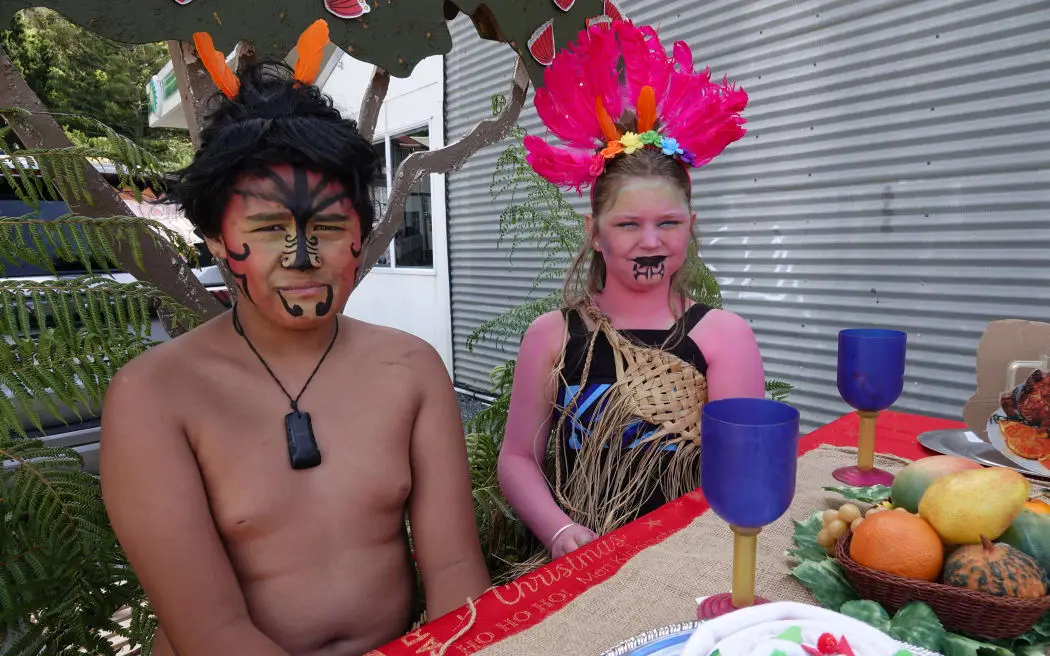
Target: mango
point(965, 505)
point(1030, 533)
point(911, 482)
point(1038, 506)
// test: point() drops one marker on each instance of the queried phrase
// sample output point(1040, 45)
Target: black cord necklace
point(302, 446)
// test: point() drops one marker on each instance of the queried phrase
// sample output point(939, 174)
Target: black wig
point(273, 120)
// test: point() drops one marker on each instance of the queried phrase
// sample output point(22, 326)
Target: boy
point(257, 469)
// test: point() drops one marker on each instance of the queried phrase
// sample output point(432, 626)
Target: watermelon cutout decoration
point(612, 11)
point(347, 8)
point(541, 43)
point(565, 5)
point(183, 2)
point(602, 20)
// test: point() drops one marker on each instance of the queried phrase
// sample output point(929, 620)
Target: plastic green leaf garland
point(915, 623)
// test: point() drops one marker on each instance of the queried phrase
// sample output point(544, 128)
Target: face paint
point(650, 267)
point(242, 280)
point(644, 235)
point(298, 244)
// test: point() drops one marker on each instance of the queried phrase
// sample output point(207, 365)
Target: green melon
point(911, 482)
point(1030, 533)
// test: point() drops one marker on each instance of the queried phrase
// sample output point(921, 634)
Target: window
point(413, 245)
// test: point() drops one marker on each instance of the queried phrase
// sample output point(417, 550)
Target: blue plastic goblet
point(870, 379)
point(748, 463)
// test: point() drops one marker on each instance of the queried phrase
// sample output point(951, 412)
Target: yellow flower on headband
point(631, 142)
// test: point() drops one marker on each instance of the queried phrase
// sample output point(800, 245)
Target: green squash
point(1030, 533)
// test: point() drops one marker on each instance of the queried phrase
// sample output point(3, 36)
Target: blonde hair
point(586, 274)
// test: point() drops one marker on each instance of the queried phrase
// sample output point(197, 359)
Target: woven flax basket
point(959, 609)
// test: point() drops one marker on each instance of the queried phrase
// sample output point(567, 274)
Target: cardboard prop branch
point(394, 35)
point(442, 160)
point(375, 94)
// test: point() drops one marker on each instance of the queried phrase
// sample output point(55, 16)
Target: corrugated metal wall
point(896, 173)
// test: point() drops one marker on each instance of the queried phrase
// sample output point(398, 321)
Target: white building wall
point(413, 300)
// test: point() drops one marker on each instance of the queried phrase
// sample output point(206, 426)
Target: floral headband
point(622, 71)
point(310, 49)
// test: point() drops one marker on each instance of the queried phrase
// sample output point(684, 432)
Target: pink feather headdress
point(615, 77)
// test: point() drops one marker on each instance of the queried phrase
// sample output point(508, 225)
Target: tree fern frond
point(57, 369)
point(15, 115)
point(58, 173)
point(62, 572)
point(513, 323)
point(143, 626)
point(88, 241)
point(89, 301)
point(779, 390)
point(30, 643)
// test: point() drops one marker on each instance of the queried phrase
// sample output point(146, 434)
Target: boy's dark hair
point(273, 120)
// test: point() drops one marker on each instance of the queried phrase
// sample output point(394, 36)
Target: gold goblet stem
point(866, 440)
point(745, 548)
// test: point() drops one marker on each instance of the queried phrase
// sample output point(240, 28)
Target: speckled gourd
point(997, 569)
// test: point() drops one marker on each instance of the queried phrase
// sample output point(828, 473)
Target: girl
point(619, 375)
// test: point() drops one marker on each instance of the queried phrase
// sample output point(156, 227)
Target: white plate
point(666, 641)
point(671, 640)
point(996, 438)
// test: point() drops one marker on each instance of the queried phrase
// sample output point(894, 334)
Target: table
point(512, 608)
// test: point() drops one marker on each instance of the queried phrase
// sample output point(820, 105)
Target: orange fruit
point(1038, 506)
point(1024, 440)
point(898, 543)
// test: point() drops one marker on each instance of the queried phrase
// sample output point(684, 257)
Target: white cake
point(789, 629)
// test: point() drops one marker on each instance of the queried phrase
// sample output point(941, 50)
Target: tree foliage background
point(81, 76)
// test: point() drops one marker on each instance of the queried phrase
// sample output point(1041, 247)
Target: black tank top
point(584, 410)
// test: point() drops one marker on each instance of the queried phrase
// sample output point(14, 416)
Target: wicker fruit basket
point(975, 613)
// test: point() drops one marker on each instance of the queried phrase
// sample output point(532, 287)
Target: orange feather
point(646, 109)
point(608, 128)
point(311, 49)
point(215, 62)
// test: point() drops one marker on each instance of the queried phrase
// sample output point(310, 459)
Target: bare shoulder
point(719, 322)
point(721, 331)
point(723, 336)
point(548, 324)
point(391, 353)
point(383, 345)
point(149, 378)
point(545, 336)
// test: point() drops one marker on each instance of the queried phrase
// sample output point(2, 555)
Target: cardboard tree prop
point(394, 35)
point(1004, 342)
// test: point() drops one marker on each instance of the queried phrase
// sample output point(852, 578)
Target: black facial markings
point(241, 278)
point(324, 306)
point(239, 257)
point(294, 310)
point(325, 181)
point(354, 250)
point(243, 281)
point(300, 251)
point(650, 267)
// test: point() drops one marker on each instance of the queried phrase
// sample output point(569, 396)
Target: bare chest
point(358, 491)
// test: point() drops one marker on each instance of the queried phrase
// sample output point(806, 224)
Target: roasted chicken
point(1031, 402)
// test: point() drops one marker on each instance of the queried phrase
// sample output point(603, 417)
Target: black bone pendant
point(302, 447)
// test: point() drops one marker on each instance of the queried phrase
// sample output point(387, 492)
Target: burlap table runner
point(659, 586)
